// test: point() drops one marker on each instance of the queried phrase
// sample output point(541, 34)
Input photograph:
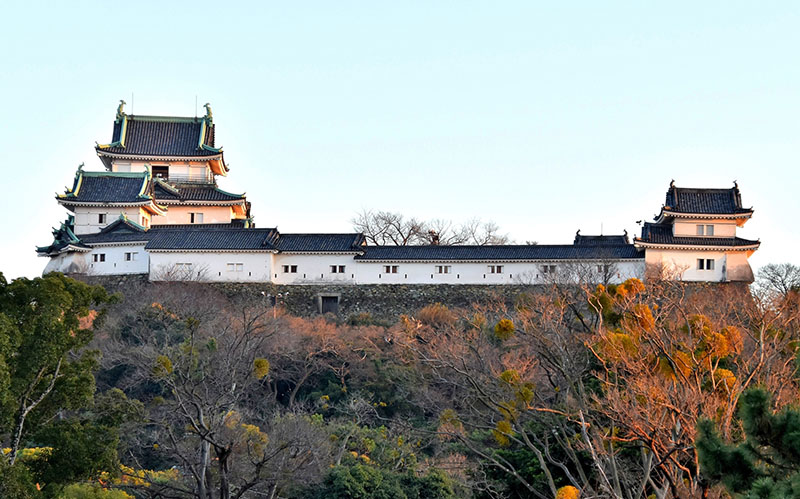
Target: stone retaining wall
point(381, 301)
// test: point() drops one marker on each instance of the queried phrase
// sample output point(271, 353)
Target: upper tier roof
point(167, 137)
point(162, 136)
point(704, 201)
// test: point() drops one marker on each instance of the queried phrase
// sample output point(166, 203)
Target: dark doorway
point(161, 172)
point(329, 304)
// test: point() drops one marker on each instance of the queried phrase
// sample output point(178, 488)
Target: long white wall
point(481, 272)
point(207, 266)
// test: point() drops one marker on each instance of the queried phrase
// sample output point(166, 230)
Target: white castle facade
point(156, 209)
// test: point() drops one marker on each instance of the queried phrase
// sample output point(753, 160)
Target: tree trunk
point(203, 492)
point(224, 483)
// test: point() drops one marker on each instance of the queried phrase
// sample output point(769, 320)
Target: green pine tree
point(767, 463)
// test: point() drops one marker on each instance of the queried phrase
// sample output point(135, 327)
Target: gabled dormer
point(98, 198)
point(178, 149)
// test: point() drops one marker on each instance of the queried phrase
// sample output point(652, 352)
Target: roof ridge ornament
point(120, 112)
point(672, 184)
point(209, 116)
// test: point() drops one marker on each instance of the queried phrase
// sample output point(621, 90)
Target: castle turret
point(694, 237)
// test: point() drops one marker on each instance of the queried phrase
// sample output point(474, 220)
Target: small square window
point(195, 218)
point(390, 269)
point(443, 269)
point(709, 230)
point(701, 263)
point(101, 218)
point(548, 269)
point(290, 269)
point(709, 264)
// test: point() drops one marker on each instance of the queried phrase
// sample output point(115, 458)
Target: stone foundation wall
point(381, 301)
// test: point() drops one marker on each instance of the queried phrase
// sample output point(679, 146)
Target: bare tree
point(386, 228)
point(779, 278)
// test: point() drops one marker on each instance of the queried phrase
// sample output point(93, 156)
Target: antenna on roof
point(601, 228)
point(131, 102)
point(195, 106)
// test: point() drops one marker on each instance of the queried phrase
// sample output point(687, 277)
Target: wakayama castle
point(156, 209)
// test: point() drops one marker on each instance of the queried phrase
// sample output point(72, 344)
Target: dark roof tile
point(108, 187)
point(500, 253)
point(662, 234)
point(149, 136)
point(194, 193)
point(320, 242)
point(600, 240)
point(704, 201)
point(211, 239)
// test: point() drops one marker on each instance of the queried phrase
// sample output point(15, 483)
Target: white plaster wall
point(738, 268)
point(722, 228)
point(313, 269)
point(208, 266)
point(115, 262)
point(86, 217)
point(66, 263)
point(682, 264)
point(479, 272)
point(179, 214)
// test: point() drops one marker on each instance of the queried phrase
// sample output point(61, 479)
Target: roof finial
point(209, 116)
point(672, 184)
point(735, 185)
point(578, 232)
point(120, 112)
point(80, 167)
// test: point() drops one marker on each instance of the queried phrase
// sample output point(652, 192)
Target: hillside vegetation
point(183, 391)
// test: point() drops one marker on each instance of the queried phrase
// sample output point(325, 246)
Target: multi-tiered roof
point(696, 205)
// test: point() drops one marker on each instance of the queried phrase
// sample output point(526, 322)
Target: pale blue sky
point(544, 119)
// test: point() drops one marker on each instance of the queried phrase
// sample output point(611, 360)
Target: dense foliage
point(187, 390)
